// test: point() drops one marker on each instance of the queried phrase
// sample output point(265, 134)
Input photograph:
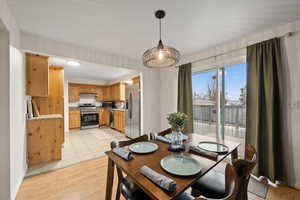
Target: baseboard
point(14, 193)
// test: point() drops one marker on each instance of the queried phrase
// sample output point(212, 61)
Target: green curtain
point(185, 94)
point(264, 90)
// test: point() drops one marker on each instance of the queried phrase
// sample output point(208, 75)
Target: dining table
point(152, 160)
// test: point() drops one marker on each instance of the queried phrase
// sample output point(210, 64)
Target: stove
point(89, 116)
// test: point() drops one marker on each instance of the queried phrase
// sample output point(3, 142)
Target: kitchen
point(97, 104)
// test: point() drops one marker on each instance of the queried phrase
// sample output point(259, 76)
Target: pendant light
point(161, 56)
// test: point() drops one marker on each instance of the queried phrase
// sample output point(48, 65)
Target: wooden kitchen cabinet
point(74, 118)
point(104, 117)
point(119, 120)
point(99, 93)
point(87, 89)
point(54, 103)
point(107, 93)
point(115, 92)
point(37, 75)
point(118, 92)
point(74, 94)
point(44, 140)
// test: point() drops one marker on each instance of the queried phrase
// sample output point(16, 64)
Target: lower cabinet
point(119, 120)
point(44, 140)
point(104, 117)
point(74, 118)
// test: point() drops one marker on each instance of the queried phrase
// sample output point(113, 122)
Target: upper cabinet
point(99, 93)
point(37, 75)
point(76, 89)
point(54, 103)
point(74, 94)
point(107, 93)
point(87, 89)
point(118, 92)
point(115, 92)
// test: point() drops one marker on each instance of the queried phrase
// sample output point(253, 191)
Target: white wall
point(291, 109)
point(17, 120)
point(85, 81)
point(150, 101)
point(13, 168)
point(168, 94)
point(36, 43)
point(291, 139)
point(4, 115)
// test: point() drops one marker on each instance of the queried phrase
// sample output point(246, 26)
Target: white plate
point(143, 147)
point(180, 165)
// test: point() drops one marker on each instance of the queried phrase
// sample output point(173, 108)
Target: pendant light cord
point(159, 29)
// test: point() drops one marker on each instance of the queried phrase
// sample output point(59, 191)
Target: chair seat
point(131, 191)
point(184, 196)
point(211, 185)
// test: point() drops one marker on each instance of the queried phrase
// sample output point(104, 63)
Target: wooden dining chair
point(126, 185)
point(162, 133)
point(212, 184)
point(231, 187)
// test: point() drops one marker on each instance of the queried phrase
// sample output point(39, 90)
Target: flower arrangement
point(177, 120)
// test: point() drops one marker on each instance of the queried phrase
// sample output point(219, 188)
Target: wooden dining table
point(152, 160)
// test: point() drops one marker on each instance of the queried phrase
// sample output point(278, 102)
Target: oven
point(89, 117)
point(89, 120)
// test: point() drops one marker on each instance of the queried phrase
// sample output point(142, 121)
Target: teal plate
point(213, 147)
point(143, 147)
point(180, 165)
point(169, 136)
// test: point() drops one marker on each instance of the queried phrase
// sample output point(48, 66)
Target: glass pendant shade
point(161, 56)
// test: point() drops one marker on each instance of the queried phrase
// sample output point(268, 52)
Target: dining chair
point(126, 185)
point(231, 187)
point(212, 185)
point(162, 133)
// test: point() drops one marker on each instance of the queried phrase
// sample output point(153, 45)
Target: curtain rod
point(288, 34)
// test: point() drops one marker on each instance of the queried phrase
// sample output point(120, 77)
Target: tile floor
point(80, 145)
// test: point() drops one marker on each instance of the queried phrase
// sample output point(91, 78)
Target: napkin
point(163, 139)
point(210, 155)
point(123, 153)
point(160, 180)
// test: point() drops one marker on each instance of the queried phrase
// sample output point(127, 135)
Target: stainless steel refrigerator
point(133, 112)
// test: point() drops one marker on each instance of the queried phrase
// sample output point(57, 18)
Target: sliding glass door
point(219, 102)
point(205, 98)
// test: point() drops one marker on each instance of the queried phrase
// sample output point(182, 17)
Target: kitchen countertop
point(52, 116)
point(119, 109)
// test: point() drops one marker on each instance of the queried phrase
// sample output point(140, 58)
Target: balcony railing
point(233, 117)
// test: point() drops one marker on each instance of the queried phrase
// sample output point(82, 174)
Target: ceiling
point(90, 71)
point(128, 27)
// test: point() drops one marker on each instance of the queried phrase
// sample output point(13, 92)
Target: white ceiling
point(90, 71)
point(128, 27)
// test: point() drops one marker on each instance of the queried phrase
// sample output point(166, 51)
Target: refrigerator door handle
point(130, 105)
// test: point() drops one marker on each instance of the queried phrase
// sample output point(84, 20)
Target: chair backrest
point(124, 143)
point(231, 184)
point(162, 133)
point(244, 168)
point(115, 144)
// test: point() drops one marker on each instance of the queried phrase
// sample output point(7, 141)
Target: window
point(219, 102)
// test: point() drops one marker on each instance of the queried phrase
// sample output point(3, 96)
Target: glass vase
point(177, 137)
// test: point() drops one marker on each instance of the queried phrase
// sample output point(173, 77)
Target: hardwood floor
point(87, 181)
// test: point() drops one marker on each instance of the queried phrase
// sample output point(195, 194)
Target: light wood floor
point(87, 181)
